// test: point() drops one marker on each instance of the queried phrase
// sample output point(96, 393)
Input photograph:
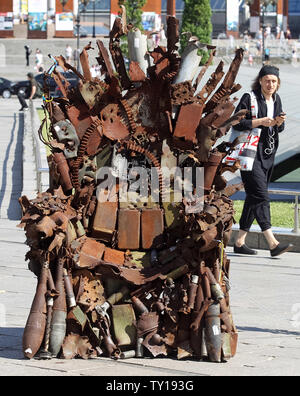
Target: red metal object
point(104, 222)
point(193, 113)
point(129, 229)
point(152, 228)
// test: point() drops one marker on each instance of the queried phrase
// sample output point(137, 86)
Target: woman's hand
point(268, 122)
point(280, 119)
point(265, 121)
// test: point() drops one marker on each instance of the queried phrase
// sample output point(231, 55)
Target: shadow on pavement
point(11, 343)
point(272, 331)
point(14, 209)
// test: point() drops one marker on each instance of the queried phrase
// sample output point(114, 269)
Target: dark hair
point(30, 75)
point(256, 84)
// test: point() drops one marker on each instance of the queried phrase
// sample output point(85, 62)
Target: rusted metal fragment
point(88, 254)
point(172, 33)
point(66, 134)
point(182, 93)
point(211, 84)
point(61, 82)
point(88, 288)
point(66, 66)
point(114, 256)
point(123, 319)
point(161, 61)
point(113, 124)
point(77, 346)
point(92, 91)
point(84, 60)
point(103, 59)
point(104, 223)
point(152, 224)
point(226, 88)
point(210, 169)
point(187, 130)
point(129, 229)
point(136, 73)
point(86, 127)
point(63, 170)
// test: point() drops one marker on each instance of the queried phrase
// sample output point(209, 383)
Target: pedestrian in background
point(250, 59)
point(267, 55)
point(34, 92)
point(38, 60)
point(270, 120)
point(68, 53)
point(28, 51)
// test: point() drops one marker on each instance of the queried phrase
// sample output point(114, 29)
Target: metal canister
point(213, 333)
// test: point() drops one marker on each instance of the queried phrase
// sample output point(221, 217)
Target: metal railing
point(296, 194)
point(40, 168)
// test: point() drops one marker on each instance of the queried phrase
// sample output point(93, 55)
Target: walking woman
point(270, 119)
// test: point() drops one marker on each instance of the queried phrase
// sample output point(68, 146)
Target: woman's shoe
point(281, 248)
point(244, 249)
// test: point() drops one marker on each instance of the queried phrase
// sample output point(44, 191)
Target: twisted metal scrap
point(179, 289)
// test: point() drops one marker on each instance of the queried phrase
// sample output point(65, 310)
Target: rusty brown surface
point(158, 268)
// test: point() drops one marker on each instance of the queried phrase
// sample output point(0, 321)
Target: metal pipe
point(94, 19)
point(296, 216)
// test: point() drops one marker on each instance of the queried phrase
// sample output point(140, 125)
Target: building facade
point(226, 14)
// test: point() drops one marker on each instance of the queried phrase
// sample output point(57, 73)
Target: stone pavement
point(265, 303)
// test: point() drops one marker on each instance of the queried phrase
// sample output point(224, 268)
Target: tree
point(134, 11)
point(134, 16)
point(196, 19)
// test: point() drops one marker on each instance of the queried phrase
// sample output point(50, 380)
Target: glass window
point(294, 7)
point(218, 4)
point(179, 5)
point(100, 5)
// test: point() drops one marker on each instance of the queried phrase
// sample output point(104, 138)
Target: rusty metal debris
point(144, 276)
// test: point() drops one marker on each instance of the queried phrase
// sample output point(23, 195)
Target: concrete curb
point(31, 145)
point(29, 167)
point(256, 239)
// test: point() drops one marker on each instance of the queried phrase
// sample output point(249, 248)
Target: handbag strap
point(253, 105)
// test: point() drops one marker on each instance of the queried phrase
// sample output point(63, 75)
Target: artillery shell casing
point(213, 333)
point(192, 291)
point(36, 323)
point(139, 306)
point(69, 290)
point(33, 334)
point(139, 347)
point(128, 354)
point(216, 291)
point(58, 331)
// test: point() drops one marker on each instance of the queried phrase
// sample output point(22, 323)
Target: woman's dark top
point(266, 161)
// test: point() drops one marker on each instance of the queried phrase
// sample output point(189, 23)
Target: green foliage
point(196, 19)
point(134, 11)
point(282, 213)
point(134, 16)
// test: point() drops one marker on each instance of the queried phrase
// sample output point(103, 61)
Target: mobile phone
point(282, 114)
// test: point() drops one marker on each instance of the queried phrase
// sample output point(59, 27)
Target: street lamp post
point(94, 17)
point(63, 3)
point(78, 37)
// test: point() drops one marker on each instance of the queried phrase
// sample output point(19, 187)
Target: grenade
point(58, 324)
point(213, 333)
point(36, 323)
